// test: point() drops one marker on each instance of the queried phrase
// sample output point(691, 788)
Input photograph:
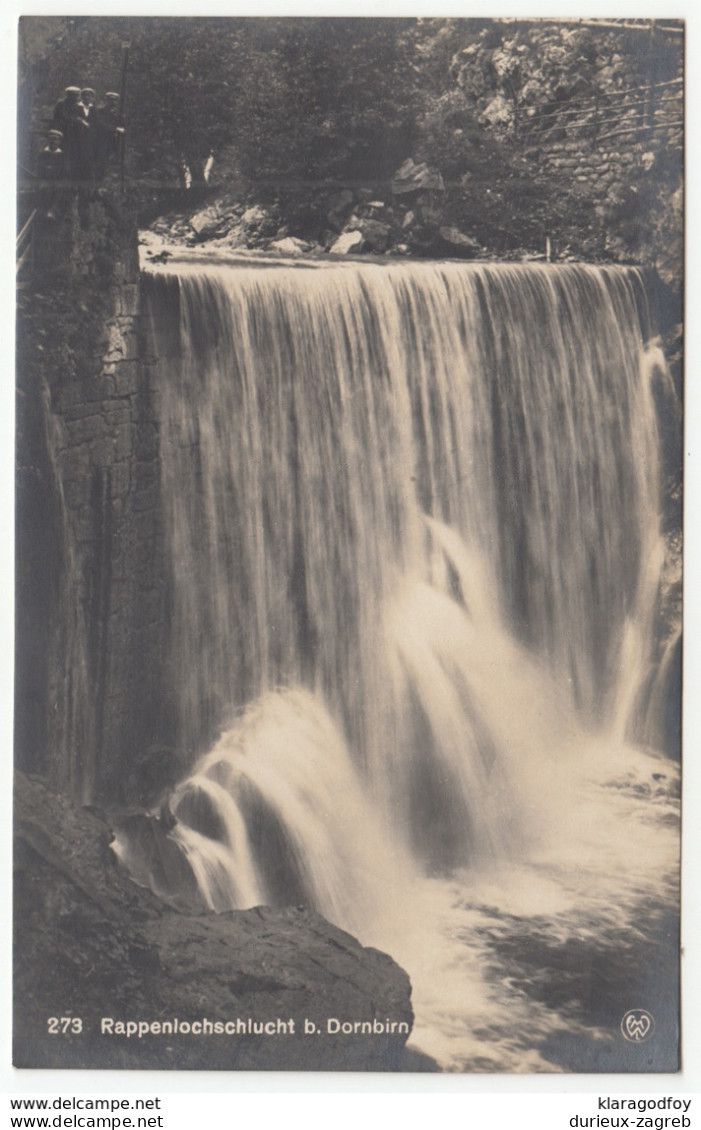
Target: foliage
point(303, 99)
point(293, 108)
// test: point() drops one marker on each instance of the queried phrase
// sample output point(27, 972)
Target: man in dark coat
point(51, 163)
point(87, 101)
point(69, 118)
point(51, 176)
point(87, 143)
point(67, 107)
point(109, 133)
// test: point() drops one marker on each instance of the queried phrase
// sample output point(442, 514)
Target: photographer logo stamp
point(637, 1025)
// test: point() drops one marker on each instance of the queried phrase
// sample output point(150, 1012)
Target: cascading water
point(413, 514)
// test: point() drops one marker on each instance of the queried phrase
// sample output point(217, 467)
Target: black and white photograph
point(348, 544)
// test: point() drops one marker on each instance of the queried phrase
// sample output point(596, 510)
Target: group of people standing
point(84, 137)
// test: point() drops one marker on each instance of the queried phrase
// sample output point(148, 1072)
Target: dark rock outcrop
point(457, 243)
point(90, 945)
point(411, 178)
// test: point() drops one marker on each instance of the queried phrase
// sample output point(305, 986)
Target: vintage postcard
point(348, 543)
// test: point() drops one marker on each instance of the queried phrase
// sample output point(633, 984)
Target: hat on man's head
point(112, 94)
point(72, 90)
point(87, 90)
point(55, 133)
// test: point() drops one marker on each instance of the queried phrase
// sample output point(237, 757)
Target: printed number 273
point(62, 1025)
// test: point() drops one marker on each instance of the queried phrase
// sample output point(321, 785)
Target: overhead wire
point(593, 107)
point(602, 123)
point(602, 116)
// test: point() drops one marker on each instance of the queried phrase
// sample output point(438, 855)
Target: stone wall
point(613, 174)
point(91, 600)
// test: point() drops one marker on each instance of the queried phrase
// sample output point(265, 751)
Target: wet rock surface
point(93, 945)
point(398, 218)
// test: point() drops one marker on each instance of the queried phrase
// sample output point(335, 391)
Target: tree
point(294, 108)
point(300, 100)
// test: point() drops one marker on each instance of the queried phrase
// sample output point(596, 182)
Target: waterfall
point(413, 514)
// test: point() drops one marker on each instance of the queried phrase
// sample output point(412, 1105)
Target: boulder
point(459, 243)
point(376, 235)
point(347, 242)
point(234, 237)
point(412, 177)
point(290, 245)
point(93, 947)
point(254, 217)
point(499, 112)
point(206, 223)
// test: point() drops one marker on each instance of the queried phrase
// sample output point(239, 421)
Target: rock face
point(93, 950)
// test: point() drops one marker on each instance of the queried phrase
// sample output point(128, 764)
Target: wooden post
point(122, 97)
point(650, 102)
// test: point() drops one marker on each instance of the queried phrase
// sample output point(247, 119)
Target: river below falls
point(533, 968)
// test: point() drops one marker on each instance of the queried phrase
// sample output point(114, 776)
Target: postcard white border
point(250, 1086)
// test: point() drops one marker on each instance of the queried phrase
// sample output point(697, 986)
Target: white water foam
point(414, 523)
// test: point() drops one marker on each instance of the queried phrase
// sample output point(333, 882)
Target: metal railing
point(25, 244)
